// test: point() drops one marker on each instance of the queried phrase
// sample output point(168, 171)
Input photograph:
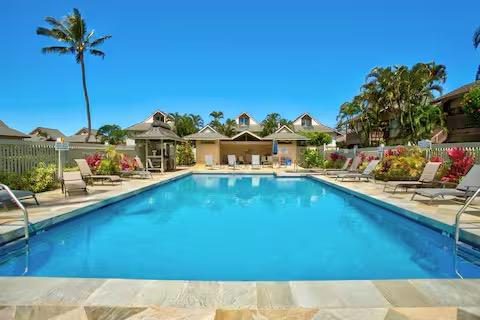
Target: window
point(306, 121)
point(158, 117)
point(244, 121)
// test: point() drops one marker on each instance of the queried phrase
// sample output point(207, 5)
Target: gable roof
point(238, 135)
point(317, 128)
point(80, 138)
point(83, 130)
point(50, 132)
point(206, 133)
point(284, 128)
point(285, 133)
point(144, 126)
point(6, 131)
point(158, 133)
point(456, 93)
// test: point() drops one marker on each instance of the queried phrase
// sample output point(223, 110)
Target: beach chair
point(366, 174)
point(427, 177)
point(256, 161)
point(352, 169)
point(150, 166)
point(209, 164)
point(73, 181)
point(232, 161)
point(466, 188)
point(332, 170)
point(142, 173)
point(87, 174)
point(19, 194)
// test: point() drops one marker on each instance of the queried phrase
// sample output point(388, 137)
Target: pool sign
point(62, 146)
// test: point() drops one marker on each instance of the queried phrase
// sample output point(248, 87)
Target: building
point(45, 134)
point(459, 127)
point(155, 141)
point(79, 136)
point(8, 133)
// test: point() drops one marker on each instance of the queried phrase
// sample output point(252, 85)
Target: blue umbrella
point(274, 147)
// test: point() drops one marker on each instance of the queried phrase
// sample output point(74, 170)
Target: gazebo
point(157, 147)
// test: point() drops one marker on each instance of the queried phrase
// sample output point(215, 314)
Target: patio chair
point(427, 177)
point(232, 161)
point(333, 170)
point(142, 173)
point(255, 161)
point(19, 194)
point(352, 169)
point(366, 174)
point(73, 181)
point(209, 162)
point(87, 174)
point(466, 188)
point(150, 166)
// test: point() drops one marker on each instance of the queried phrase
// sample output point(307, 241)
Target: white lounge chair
point(87, 174)
point(232, 161)
point(209, 164)
point(336, 170)
point(352, 169)
point(427, 177)
point(256, 161)
point(73, 181)
point(466, 188)
point(366, 174)
point(150, 166)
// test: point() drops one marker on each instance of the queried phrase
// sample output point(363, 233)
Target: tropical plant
point(71, 30)
point(216, 117)
point(39, 179)
point(317, 138)
point(185, 154)
point(396, 94)
point(187, 123)
point(401, 163)
point(471, 104)
point(228, 127)
point(311, 158)
point(272, 122)
point(336, 160)
point(476, 44)
point(460, 162)
point(112, 134)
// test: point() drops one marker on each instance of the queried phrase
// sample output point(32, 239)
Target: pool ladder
point(26, 223)
point(472, 224)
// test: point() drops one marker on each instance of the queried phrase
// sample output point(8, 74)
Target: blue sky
point(196, 56)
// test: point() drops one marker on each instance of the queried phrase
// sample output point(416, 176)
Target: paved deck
point(74, 298)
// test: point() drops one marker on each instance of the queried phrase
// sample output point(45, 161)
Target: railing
point(474, 224)
point(15, 200)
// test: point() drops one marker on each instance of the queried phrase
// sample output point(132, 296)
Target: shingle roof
point(50, 132)
point(458, 92)
point(206, 133)
point(251, 128)
point(285, 133)
point(318, 128)
point(84, 131)
point(144, 126)
point(6, 131)
point(81, 138)
point(158, 133)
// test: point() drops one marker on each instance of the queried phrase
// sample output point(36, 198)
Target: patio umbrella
point(274, 147)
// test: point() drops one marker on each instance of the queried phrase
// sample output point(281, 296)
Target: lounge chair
point(256, 161)
point(87, 174)
point(366, 174)
point(232, 161)
point(20, 194)
point(150, 166)
point(73, 181)
point(427, 177)
point(352, 169)
point(142, 173)
point(466, 188)
point(209, 162)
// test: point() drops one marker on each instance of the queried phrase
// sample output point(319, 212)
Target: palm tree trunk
point(87, 101)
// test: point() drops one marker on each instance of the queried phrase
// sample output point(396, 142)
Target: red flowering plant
point(436, 159)
point(460, 163)
point(335, 160)
point(366, 158)
point(94, 160)
point(127, 163)
point(334, 156)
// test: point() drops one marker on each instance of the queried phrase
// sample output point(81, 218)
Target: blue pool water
point(234, 227)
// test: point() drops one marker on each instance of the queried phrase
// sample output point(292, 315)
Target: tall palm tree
point(228, 128)
point(71, 31)
point(272, 122)
point(476, 44)
point(215, 122)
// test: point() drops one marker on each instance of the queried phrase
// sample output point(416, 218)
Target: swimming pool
point(241, 227)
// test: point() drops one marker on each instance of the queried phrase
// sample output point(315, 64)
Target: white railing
point(26, 223)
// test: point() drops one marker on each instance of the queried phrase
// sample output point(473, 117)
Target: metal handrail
point(460, 212)
point(21, 207)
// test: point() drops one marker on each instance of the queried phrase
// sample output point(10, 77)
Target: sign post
point(426, 144)
point(60, 146)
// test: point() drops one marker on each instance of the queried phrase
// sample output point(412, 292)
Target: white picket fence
point(21, 156)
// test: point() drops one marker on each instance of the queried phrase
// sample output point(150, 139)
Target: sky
point(193, 56)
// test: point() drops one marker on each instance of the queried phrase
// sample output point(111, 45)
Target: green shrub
point(108, 166)
point(185, 154)
point(312, 159)
point(471, 104)
point(14, 180)
point(401, 164)
point(41, 178)
point(317, 138)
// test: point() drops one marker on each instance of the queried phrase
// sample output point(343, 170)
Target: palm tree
point(71, 30)
point(272, 122)
point(215, 122)
point(228, 128)
point(476, 44)
point(186, 124)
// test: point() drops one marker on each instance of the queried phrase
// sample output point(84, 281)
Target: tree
point(228, 128)
point(216, 117)
point(72, 32)
point(111, 133)
point(186, 124)
point(471, 104)
point(272, 122)
point(476, 44)
point(317, 138)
